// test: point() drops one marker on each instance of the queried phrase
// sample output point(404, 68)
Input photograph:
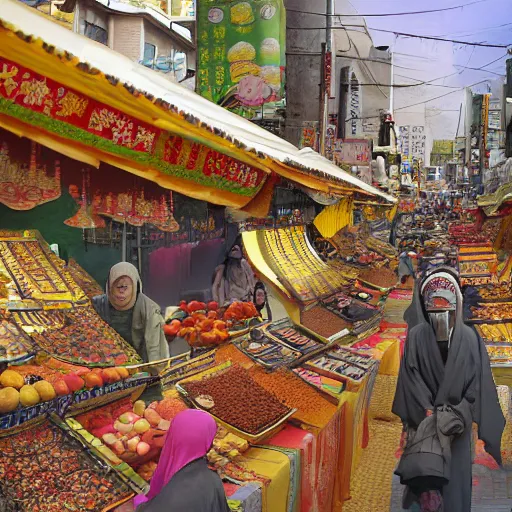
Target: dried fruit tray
point(495, 333)
point(266, 351)
point(352, 356)
point(335, 367)
point(83, 338)
point(242, 396)
point(295, 337)
point(330, 388)
point(46, 468)
point(499, 353)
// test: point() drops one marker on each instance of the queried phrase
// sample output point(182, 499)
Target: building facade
point(358, 83)
point(143, 34)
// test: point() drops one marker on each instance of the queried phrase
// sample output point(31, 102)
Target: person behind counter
point(260, 300)
point(182, 481)
point(234, 279)
point(132, 314)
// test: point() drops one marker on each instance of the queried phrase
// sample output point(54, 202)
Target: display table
point(274, 466)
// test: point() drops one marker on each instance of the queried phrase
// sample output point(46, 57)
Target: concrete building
point(361, 74)
point(144, 34)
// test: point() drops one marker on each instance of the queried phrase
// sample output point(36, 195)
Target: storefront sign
point(309, 136)
point(241, 48)
point(40, 102)
point(355, 106)
point(494, 120)
point(405, 141)
point(418, 139)
point(354, 152)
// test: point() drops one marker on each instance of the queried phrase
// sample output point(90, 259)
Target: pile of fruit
point(134, 432)
point(18, 387)
point(204, 324)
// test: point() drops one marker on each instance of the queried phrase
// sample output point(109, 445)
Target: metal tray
point(252, 438)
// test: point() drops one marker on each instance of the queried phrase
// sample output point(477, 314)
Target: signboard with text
point(241, 53)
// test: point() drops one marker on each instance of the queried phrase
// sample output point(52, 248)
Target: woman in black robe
point(445, 363)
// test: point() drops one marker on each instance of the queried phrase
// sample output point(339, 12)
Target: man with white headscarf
point(132, 314)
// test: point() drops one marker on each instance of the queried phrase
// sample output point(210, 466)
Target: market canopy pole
point(235, 156)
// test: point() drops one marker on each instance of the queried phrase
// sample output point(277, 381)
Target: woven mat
point(371, 483)
point(394, 310)
point(382, 399)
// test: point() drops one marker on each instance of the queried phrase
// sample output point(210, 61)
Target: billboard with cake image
point(241, 53)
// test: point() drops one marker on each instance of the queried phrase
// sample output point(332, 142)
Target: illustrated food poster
point(241, 53)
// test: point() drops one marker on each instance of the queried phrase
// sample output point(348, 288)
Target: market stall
point(289, 401)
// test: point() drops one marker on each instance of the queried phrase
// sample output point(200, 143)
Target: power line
point(380, 15)
point(405, 34)
point(466, 33)
point(432, 38)
point(441, 96)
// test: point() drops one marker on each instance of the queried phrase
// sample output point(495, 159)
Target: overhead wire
point(380, 15)
point(405, 34)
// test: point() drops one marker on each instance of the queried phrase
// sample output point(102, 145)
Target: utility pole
point(325, 89)
point(392, 89)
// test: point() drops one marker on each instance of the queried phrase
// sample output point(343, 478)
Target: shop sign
point(354, 152)
point(43, 103)
point(355, 105)
point(494, 120)
point(418, 139)
point(241, 53)
point(405, 140)
point(309, 135)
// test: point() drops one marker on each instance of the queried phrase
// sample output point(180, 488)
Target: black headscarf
point(260, 286)
point(426, 382)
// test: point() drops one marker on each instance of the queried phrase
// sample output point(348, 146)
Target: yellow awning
point(81, 98)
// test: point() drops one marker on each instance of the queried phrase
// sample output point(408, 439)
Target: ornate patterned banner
point(22, 188)
point(44, 103)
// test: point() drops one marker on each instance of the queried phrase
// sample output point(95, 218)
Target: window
point(149, 55)
point(95, 33)
point(180, 66)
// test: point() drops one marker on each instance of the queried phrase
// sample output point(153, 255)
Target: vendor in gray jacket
point(132, 314)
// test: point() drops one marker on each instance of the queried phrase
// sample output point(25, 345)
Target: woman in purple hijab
point(182, 481)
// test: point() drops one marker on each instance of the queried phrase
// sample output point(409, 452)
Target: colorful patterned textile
point(14, 343)
point(295, 475)
point(43, 469)
point(42, 103)
point(37, 272)
point(298, 439)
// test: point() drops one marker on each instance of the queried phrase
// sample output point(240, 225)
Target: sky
point(415, 60)
point(479, 22)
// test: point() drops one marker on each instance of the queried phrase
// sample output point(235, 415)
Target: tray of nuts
point(236, 401)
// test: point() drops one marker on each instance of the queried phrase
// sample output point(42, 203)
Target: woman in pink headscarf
point(182, 481)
